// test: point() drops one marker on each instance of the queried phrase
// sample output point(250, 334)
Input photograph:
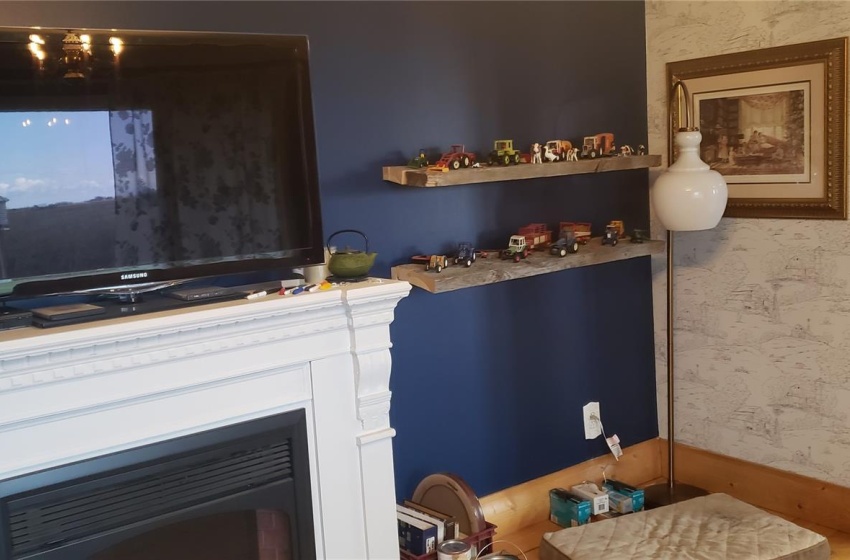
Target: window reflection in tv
point(197, 153)
point(59, 190)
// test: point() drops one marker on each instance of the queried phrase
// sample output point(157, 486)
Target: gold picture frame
point(774, 124)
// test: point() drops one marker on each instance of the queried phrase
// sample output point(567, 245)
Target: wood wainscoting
point(527, 504)
point(792, 495)
point(522, 512)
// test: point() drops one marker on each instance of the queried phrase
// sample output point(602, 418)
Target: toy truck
point(580, 229)
point(621, 229)
point(456, 158)
point(516, 250)
point(601, 144)
point(557, 150)
point(504, 153)
point(536, 235)
point(566, 243)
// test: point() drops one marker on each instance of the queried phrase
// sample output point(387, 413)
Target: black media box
point(204, 292)
point(14, 318)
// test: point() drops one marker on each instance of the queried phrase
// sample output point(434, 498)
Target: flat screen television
point(134, 158)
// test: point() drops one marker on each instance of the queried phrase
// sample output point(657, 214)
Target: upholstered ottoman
point(716, 526)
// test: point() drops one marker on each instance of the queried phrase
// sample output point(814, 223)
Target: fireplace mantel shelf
point(76, 392)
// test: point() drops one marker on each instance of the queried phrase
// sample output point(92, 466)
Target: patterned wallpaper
point(762, 316)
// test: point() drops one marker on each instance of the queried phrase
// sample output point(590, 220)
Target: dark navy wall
point(487, 382)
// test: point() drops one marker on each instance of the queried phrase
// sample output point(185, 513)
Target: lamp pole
point(689, 196)
point(670, 492)
point(671, 422)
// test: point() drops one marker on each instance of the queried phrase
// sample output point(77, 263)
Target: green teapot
point(350, 263)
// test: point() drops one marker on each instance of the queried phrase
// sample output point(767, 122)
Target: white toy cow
point(535, 153)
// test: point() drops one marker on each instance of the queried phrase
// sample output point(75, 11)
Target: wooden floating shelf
point(408, 176)
point(491, 270)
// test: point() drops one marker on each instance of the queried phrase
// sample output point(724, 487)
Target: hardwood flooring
point(528, 539)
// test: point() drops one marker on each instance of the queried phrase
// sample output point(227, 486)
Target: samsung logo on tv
point(134, 275)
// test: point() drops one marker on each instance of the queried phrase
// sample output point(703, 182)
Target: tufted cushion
point(716, 526)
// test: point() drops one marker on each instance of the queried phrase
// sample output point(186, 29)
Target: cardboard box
point(597, 496)
point(636, 494)
point(568, 509)
point(619, 503)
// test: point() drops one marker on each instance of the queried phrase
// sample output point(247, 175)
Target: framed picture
point(773, 123)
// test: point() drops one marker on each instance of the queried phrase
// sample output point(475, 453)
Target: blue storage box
point(567, 509)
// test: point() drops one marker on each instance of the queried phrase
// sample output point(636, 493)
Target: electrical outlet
point(592, 426)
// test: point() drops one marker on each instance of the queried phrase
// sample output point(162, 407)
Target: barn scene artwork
point(758, 134)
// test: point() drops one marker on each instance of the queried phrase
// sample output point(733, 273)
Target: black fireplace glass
point(241, 492)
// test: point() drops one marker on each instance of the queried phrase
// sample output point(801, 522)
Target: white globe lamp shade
point(689, 196)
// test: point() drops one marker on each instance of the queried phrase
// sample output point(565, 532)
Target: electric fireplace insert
point(240, 492)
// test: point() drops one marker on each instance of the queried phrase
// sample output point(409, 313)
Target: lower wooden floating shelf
point(491, 270)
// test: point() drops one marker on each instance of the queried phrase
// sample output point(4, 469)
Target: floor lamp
point(688, 196)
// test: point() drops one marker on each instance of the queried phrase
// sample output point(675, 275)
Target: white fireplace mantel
point(72, 393)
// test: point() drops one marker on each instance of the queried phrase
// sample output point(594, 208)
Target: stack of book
point(421, 529)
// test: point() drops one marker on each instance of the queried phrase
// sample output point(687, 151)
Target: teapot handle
point(366, 239)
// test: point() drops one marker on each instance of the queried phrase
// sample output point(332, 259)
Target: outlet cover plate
point(592, 428)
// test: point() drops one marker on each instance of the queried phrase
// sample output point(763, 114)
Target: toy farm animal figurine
point(550, 154)
point(572, 154)
point(535, 153)
point(559, 149)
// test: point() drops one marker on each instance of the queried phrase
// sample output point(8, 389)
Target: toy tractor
point(420, 161)
point(504, 153)
point(454, 159)
point(611, 236)
point(618, 225)
point(517, 249)
point(437, 263)
point(566, 243)
point(465, 253)
point(639, 236)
